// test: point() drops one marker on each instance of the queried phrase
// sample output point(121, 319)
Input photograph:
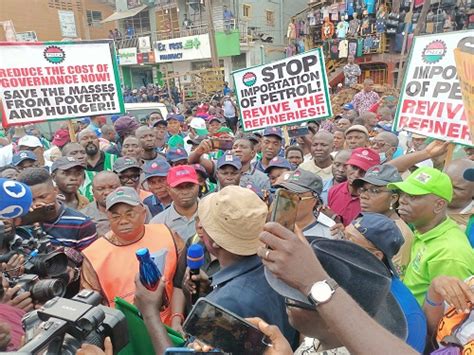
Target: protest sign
point(284, 92)
point(58, 80)
point(431, 102)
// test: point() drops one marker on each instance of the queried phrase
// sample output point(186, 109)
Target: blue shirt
point(326, 186)
point(243, 289)
point(154, 205)
point(414, 315)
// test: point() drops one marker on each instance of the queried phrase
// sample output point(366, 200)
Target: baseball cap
point(214, 118)
point(199, 125)
point(66, 163)
point(175, 141)
point(364, 158)
point(424, 181)
point(125, 124)
point(160, 122)
point(225, 130)
point(273, 131)
point(29, 141)
point(301, 181)
point(200, 170)
point(223, 213)
point(176, 154)
point(124, 163)
point(382, 232)
point(357, 128)
point(278, 162)
point(61, 137)
point(173, 116)
point(180, 174)
point(379, 175)
point(123, 194)
point(251, 186)
point(196, 140)
point(348, 106)
point(85, 120)
point(229, 159)
point(157, 167)
point(252, 137)
point(22, 156)
point(15, 198)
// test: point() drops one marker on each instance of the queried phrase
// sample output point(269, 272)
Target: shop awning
point(124, 14)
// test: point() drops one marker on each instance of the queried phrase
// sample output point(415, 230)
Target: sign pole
point(72, 133)
point(449, 155)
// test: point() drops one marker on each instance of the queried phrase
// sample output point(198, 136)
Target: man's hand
point(22, 301)
point(5, 336)
point(204, 147)
point(280, 345)
point(290, 257)
point(14, 266)
point(337, 230)
point(452, 290)
point(147, 301)
point(437, 148)
point(89, 349)
point(189, 283)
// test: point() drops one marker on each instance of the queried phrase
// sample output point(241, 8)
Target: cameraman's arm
point(149, 304)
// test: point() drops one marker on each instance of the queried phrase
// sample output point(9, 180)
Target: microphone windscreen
point(469, 174)
point(15, 198)
point(195, 256)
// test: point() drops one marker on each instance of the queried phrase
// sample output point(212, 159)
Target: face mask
point(383, 157)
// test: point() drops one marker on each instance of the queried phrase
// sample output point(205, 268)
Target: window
point(94, 18)
point(270, 15)
point(246, 10)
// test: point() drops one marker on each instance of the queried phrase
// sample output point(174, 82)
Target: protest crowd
point(335, 236)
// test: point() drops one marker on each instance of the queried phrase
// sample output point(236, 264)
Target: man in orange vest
point(110, 264)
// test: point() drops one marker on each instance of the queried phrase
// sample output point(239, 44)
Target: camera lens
point(44, 290)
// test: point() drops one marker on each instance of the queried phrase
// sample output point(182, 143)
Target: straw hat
point(234, 218)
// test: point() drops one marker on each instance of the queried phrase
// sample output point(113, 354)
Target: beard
point(91, 149)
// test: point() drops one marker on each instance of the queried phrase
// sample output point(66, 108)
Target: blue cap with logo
point(382, 232)
point(273, 131)
point(174, 116)
point(22, 156)
point(278, 162)
point(348, 106)
point(229, 159)
point(157, 167)
point(176, 154)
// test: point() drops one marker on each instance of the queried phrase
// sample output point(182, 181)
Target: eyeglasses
point(373, 191)
point(297, 304)
point(125, 178)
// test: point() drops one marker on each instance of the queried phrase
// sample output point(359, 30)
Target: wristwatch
point(322, 291)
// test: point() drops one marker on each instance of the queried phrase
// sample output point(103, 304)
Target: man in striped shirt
point(65, 226)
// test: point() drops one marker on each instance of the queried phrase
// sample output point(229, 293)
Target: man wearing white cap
point(33, 144)
point(197, 127)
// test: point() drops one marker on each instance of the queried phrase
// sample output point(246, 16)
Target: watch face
point(321, 292)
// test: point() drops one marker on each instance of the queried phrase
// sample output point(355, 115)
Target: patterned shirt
point(363, 101)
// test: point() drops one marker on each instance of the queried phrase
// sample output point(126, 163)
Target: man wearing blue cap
point(277, 167)
point(380, 235)
point(174, 123)
point(155, 177)
point(25, 159)
point(271, 146)
point(229, 170)
point(177, 156)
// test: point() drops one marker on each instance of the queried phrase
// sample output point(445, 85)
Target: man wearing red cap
point(343, 199)
point(183, 188)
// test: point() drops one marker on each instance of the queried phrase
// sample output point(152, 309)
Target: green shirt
point(86, 188)
point(444, 250)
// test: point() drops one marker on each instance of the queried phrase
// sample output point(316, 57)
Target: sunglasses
point(297, 304)
point(133, 178)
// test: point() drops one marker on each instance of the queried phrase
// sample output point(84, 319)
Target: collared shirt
point(362, 101)
point(243, 289)
point(342, 202)
point(255, 177)
point(259, 166)
point(100, 218)
point(154, 205)
point(186, 228)
point(444, 250)
point(326, 186)
point(71, 229)
point(106, 162)
point(402, 258)
point(317, 229)
point(323, 173)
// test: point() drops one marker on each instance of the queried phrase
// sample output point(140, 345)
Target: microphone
point(195, 259)
point(15, 199)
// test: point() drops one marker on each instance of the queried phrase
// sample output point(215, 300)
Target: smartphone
point(224, 330)
point(284, 208)
point(222, 144)
point(188, 351)
point(298, 132)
